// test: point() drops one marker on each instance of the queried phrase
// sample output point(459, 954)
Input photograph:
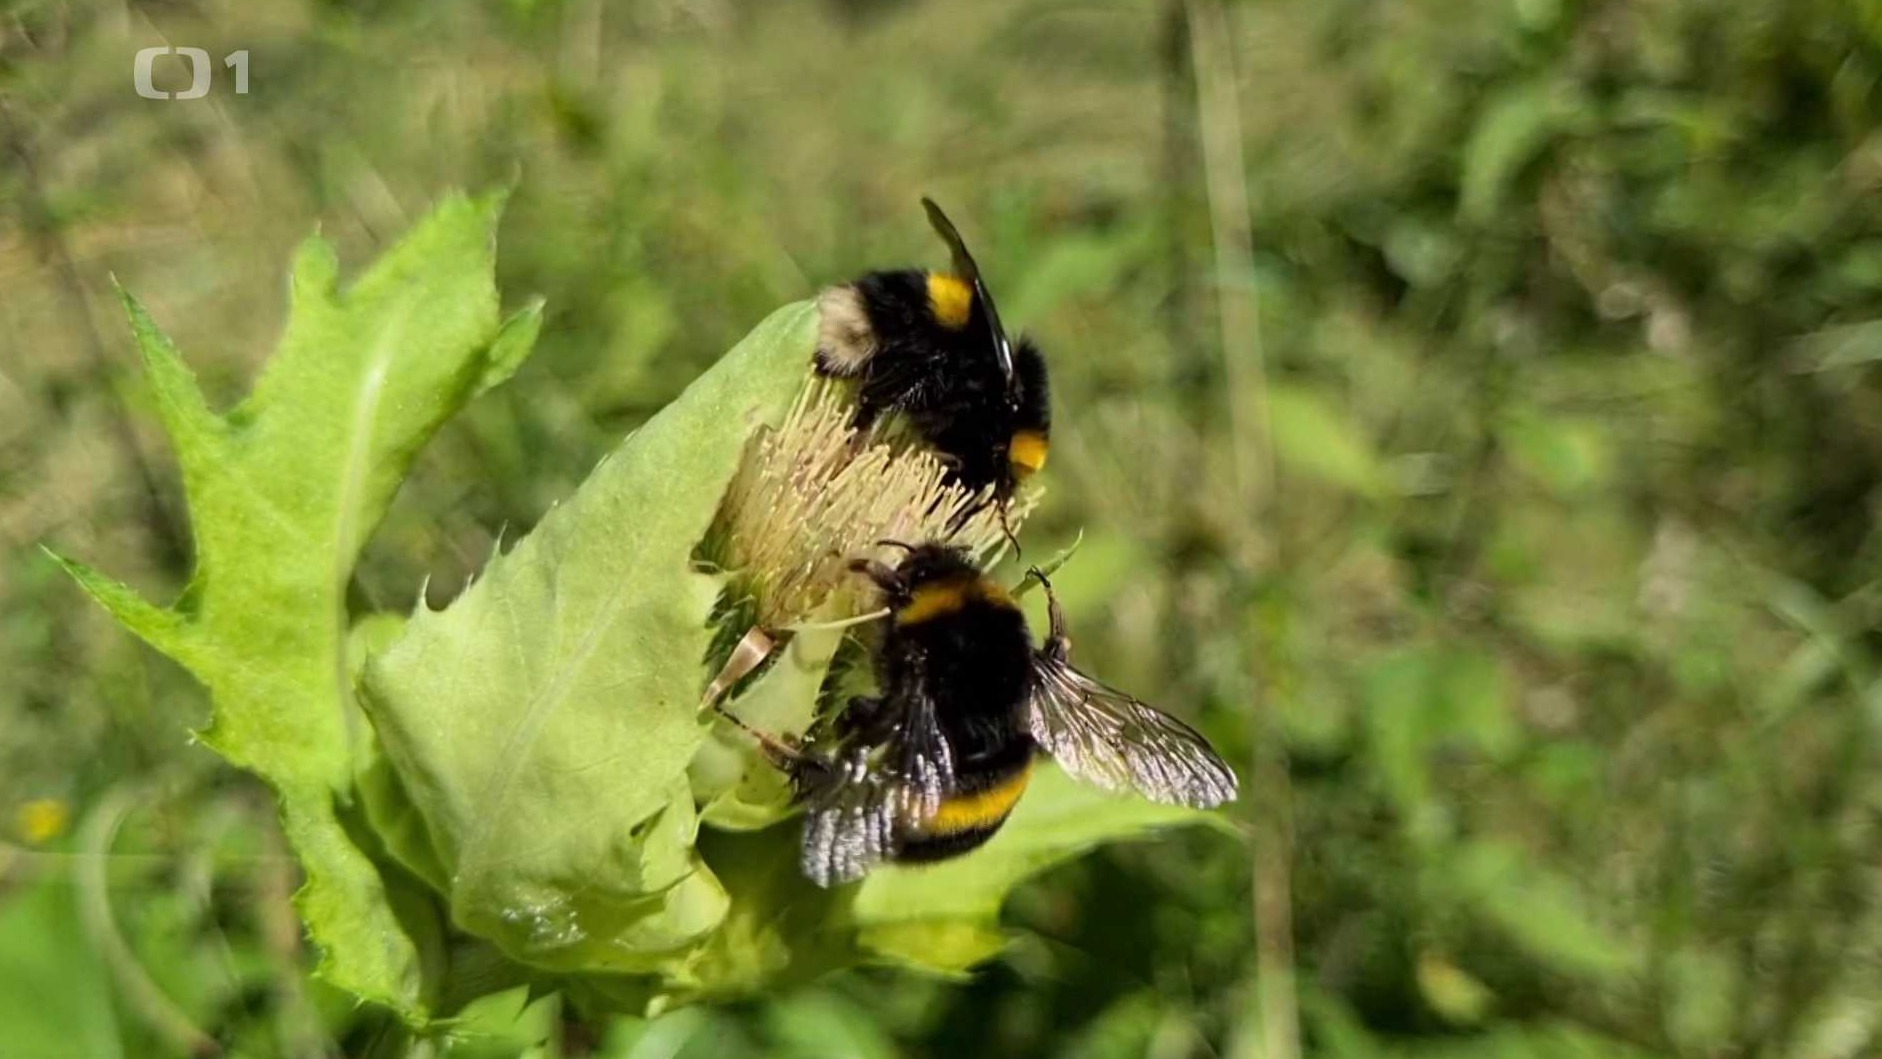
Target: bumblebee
point(930, 346)
point(932, 766)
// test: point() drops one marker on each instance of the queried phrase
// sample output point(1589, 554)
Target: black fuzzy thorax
point(975, 666)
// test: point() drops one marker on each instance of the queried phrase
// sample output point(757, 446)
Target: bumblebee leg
point(1006, 528)
point(1058, 639)
point(752, 649)
point(883, 575)
point(863, 423)
point(865, 719)
point(811, 771)
point(966, 514)
point(861, 723)
point(781, 754)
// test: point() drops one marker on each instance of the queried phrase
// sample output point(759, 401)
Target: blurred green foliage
point(1560, 612)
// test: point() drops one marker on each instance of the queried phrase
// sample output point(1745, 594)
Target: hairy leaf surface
point(543, 722)
point(283, 491)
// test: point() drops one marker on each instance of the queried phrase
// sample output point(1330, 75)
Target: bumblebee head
point(923, 565)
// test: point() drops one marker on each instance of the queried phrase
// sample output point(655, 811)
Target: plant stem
point(141, 995)
point(1244, 370)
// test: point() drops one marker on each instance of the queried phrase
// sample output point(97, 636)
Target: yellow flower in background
point(42, 820)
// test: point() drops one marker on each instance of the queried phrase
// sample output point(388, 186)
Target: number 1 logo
point(202, 71)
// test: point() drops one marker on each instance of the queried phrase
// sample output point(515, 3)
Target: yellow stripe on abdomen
point(981, 809)
point(1027, 451)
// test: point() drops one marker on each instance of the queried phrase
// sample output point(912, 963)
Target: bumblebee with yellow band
point(930, 346)
point(932, 766)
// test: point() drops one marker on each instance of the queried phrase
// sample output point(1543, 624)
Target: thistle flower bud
point(814, 494)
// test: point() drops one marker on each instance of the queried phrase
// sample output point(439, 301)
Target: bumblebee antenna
point(882, 574)
point(965, 268)
point(1006, 528)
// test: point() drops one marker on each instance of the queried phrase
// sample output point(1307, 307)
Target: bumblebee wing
point(923, 759)
point(850, 824)
point(1105, 737)
point(876, 793)
point(965, 268)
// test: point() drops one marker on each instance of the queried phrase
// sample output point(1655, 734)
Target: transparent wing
point(922, 759)
point(1105, 737)
point(850, 822)
point(872, 794)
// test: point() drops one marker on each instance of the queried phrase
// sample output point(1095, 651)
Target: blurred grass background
point(1469, 406)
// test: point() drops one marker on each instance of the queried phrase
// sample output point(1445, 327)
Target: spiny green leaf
point(944, 916)
point(940, 918)
point(195, 432)
point(536, 754)
point(283, 492)
point(543, 722)
point(779, 926)
point(513, 345)
point(162, 628)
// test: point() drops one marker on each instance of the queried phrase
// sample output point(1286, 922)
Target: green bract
point(522, 797)
point(543, 721)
